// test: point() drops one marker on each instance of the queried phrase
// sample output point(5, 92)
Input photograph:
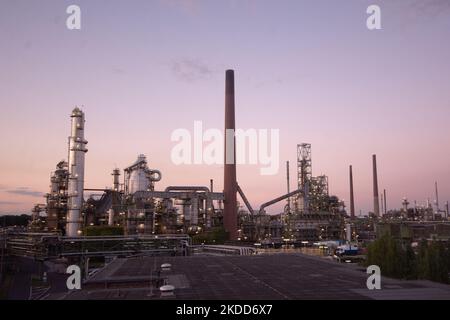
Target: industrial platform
point(259, 277)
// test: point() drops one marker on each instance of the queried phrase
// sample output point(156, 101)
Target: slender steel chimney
point(352, 200)
point(376, 202)
point(446, 210)
point(385, 201)
point(288, 187)
point(230, 184)
point(437, 196)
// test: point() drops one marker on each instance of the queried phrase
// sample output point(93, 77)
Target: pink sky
point(310, 69)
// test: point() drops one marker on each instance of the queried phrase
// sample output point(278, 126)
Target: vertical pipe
point(437, 196)
point(446, 210)
point(348, 232)
point(194, 211)
point(288, 187)
point(110, 217)
point(77, 151)
point(306, 198)
point(385, 202)
point(116, 175)
point(376, 202)
point(382, 203)
point(230, 185)
point(352, 199)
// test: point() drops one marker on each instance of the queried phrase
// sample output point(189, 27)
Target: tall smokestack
point(77, 151)
point(376, 202)
point(352, 200)
point(437, 196)
point(385, 201)
point(230, 184)
point(288, 186)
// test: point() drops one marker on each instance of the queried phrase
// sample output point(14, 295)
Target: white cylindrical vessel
point(348, 232)
point(110, 217)
point(77, 150)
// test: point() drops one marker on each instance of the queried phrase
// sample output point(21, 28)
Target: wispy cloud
point(118, 70)
point(25, 191)
point(191, 70)
point(6, 203)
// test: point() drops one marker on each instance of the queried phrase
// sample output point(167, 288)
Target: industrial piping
point(271, 202)
point(230, 184)
point(247, 203)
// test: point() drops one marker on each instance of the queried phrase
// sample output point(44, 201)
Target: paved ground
point(261, 277)
point(21, 280)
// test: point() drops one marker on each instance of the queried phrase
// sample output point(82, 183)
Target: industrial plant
point(134, 204)
point(135, 218)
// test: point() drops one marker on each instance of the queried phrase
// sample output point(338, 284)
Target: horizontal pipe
point(271, 202)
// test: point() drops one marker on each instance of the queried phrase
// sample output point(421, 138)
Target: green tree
point(423, 265)
point(410, 264)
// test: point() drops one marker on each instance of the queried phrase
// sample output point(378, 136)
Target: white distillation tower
point(77, 150)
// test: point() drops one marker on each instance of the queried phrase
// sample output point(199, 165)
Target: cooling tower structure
point(376, 202)
point(230, 184)
point(77, 150)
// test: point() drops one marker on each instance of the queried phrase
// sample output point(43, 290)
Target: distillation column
point(77, 150)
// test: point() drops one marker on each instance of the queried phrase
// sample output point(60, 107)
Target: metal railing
point(45, 246)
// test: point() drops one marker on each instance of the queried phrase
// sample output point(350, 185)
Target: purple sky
point(309, 68)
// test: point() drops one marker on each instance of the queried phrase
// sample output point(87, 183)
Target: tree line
point(397, 259)
point(14, 220)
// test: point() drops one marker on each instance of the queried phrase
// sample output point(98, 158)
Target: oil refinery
point(117, 234)
point(134, 204)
